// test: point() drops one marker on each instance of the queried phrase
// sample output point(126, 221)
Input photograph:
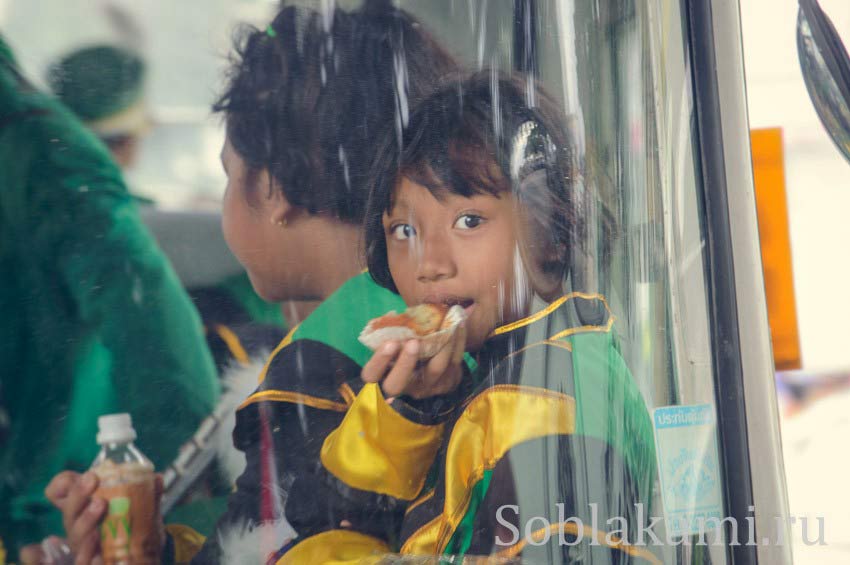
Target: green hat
point(6, 51)
point(104, 86)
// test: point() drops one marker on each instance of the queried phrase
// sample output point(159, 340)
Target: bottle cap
point(115, 428)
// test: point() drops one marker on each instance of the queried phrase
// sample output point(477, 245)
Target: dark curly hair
point(479, 135)
point(307, 97)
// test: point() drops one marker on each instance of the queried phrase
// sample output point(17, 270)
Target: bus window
point(620, 72)
point(510, 353)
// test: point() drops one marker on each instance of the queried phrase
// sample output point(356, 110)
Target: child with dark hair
point(305, 100)
point(481, 205)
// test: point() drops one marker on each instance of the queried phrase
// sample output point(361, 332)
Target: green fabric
point(615, 406)
point(607, 400)
point(6, 54)
point(201, 515)
point(94, 320)
point(338, 321)
point(98, 82)
point(462, 537)
point(240, 288)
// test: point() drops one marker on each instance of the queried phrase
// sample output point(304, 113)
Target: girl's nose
point(436, 260)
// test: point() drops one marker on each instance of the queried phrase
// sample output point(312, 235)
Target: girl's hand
point(396, 366)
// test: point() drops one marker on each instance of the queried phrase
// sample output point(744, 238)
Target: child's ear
point(556, 262)
point(554, 265)
point(546, 266)
point(280, 210)
point(546, 260)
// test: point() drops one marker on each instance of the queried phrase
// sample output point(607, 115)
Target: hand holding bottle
point(72, 494)
point(111, 513)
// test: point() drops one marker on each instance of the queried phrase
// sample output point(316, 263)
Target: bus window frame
point(746, 396)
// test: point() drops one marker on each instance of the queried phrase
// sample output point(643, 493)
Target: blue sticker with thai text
point(686, 446)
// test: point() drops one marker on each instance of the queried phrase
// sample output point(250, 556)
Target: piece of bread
point(422, 319)
point(432, 324)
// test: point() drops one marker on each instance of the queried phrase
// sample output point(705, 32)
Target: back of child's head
point(307, 96)
point(489, 133)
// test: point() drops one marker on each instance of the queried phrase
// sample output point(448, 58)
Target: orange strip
point(530, 319)
point(286, 341)
point(233, 343)
point(346, 392)
point(570, 331)
point(551, 308)
point(421, 500)
point(775, 238)
point(558, 344)
point(294, 398)
point(424, 540)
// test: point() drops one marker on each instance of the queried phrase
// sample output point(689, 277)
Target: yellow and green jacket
point(549, 414)
point(554, 417)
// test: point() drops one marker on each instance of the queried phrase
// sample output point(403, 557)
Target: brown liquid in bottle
point(130, 531)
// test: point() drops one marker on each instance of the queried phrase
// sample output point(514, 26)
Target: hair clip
point(531, 149)
point(270, 31)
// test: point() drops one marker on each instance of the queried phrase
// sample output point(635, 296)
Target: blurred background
point(185, 46)
point(816, 174)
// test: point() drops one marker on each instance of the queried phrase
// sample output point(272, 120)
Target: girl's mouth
point(468, 304)
point(462, 302)
point(469, 308)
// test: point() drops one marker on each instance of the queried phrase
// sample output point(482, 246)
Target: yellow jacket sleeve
point(378, 450)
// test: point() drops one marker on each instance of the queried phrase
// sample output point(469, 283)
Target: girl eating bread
point(479, 207)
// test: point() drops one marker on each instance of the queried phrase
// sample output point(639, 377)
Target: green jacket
point(93, 321)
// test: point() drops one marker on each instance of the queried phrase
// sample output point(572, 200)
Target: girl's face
point(247, 223)
point(458, 250)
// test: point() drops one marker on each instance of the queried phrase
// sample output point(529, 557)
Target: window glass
point(621, 72)
point(527, 170)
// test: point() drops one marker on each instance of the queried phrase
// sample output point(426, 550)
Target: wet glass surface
point(555, 211)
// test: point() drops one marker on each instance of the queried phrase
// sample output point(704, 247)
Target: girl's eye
point(401, 232)
point(468, 222)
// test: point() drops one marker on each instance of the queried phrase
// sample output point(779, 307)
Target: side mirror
point(826, 71)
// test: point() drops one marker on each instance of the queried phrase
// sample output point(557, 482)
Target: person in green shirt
point(104, 86)
point(94, 319)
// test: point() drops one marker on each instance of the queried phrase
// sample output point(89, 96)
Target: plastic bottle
point(130, 531)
